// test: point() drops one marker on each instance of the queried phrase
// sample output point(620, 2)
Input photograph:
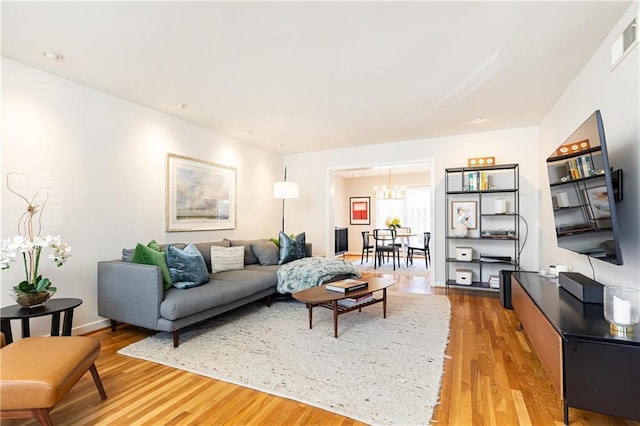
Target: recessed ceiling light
point(478, 119)
point(181, 106)
point(247, 132)
point(53, 56)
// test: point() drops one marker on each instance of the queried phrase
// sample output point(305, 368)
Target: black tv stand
point(590, 368)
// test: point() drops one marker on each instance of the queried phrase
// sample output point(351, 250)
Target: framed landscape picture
point(360, 210)
point(199, 195)
point(466, 209)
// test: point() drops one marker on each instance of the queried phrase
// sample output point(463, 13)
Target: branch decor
point(35, 290)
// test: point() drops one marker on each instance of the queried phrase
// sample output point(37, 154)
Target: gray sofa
point(133, 293)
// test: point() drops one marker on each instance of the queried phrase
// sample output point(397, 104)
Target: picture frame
point(360, 210)
point(199, 195)
point(469, 209)
point(598, 201)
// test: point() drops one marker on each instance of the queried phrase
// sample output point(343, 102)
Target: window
point(414, 211)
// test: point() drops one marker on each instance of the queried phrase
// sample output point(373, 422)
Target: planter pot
point(31, 300)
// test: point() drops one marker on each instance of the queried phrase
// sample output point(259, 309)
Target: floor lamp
point(285, 190)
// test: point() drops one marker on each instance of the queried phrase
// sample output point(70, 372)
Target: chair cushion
point(38, 371)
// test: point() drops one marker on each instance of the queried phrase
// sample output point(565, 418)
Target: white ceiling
point(307, 76)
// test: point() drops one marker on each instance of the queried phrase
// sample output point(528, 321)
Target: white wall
point(103, 159)
point(616, 94)
point(314, 211)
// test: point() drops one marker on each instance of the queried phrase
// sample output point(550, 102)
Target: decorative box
point(464, 254)
point(464, 276)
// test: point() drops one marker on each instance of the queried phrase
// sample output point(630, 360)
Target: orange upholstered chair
point(37, 372)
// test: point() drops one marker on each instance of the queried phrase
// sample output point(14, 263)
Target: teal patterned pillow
point(186, 266)
point(292, 248)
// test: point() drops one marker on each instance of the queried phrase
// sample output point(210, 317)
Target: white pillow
point(227, 258)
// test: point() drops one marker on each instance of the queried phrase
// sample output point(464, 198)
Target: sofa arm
point(130, 293)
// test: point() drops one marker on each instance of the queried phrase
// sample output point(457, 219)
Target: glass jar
point(621, 308)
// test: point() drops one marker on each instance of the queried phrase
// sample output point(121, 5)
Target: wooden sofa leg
point(269, 301)
point(98, 382)
point(176, 338)
point(113, 325)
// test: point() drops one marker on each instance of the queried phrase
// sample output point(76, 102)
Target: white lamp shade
point(285, 190)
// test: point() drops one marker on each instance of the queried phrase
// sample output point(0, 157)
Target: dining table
point(403, 237)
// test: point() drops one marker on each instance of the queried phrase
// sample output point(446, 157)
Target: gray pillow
point(267, 252)
point(127, 254)
point(187, 267)
point(249, 257)
point(291, 248)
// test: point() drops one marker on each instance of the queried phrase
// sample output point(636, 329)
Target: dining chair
point(385, 243)
point(403, 241)
point(367, 247)
point(426, 238)
point(402, 230)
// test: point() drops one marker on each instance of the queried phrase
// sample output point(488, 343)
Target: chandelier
point(390, 192)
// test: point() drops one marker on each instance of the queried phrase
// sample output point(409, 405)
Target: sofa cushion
point(227, 258)
point(187, 267)
point(249, 257)
point(151, 256)
point(223, 287)
point(205, 250)
point(292, 248)
point(267, 252)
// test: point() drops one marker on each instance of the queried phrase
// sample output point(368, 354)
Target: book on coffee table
point(347, 286)
point(355, 301)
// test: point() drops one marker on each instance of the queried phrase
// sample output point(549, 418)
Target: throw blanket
point(311, 271)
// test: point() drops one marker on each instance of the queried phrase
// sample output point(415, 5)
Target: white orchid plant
point(30, 244)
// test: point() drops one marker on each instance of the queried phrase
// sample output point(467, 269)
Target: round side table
point(53, 307)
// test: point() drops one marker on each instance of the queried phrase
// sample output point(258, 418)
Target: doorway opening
point(416, 210)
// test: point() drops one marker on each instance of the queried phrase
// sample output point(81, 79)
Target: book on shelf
point(478, 181)
point(355, 301)
point(580, 167)
point(494, 281)
point(347, 286)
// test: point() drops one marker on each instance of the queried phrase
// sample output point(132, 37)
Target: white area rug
point(378, 371)
point(418, 268)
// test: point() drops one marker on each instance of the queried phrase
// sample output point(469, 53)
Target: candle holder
point(621, 308)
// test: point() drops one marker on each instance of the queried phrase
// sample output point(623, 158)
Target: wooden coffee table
point(320, 296)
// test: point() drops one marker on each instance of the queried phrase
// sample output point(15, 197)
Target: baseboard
point(91, 327)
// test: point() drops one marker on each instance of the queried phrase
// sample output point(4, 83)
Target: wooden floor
point(491, 377)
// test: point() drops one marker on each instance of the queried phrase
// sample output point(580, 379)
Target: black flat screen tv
point(582, 193)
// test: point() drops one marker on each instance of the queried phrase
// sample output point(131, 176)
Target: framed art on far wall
point(199, 195)
point(360, 210)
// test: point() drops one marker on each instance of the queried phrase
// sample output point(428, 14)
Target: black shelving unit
point(494, 233)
